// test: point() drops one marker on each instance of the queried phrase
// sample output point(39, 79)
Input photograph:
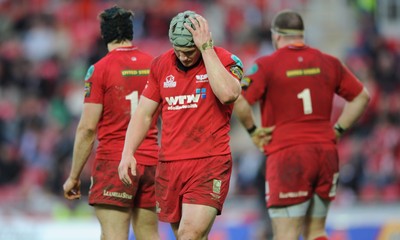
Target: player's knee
point(190, 234)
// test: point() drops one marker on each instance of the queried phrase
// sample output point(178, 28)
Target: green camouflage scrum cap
point(178, 34)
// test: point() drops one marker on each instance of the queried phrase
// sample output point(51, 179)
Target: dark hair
point(116, 24)
point(287, 20)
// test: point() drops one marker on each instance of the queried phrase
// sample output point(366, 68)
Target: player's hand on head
point(72, 189)
point(127, 163)
point(200, 30)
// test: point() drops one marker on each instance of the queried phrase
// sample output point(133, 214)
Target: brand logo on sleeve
point(169, 82)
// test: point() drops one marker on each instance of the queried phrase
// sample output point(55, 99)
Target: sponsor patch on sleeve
point(88, 87)
point(89, 73)
point(253, 69)
point(237, 71)
point(237, 61)
point(245, 82)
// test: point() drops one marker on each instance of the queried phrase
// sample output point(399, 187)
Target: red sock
point(321, 238)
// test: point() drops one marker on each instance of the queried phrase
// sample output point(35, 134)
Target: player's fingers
point(188, 27)
point(122, 173)
point(133, 169)
point(195, 22)
point(201, 20)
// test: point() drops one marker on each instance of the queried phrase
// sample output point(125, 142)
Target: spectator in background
point(195, 84)
point(295, 86)
point(112, 88)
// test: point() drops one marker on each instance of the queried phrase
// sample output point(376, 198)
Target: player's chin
point(187, 64)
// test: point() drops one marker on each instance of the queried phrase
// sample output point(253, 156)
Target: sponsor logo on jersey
point(138, 72)
point(186, 101)
point(303, 72)
point(169, 82)
point(201, 78)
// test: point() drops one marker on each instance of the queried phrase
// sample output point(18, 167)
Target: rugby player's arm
point(85, 137)
point(243, 111)
point(224, 85)
point(139, 124)
point(138, 127)
point(353, 110)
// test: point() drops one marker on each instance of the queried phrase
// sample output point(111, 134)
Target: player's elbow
point(86, 130)
point(230, 95)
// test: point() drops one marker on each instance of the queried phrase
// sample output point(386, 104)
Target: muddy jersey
point(195, 124)
point(116, 82)
point(295, 86)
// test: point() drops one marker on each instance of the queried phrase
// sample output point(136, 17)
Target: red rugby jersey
point(195, 124)
point(295, 86)
point(116, 82)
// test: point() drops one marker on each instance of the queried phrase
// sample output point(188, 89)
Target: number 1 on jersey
point(305, 96)
point(134, 98)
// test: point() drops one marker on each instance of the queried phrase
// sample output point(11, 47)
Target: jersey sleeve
point(152, 89)
point(94, 85)
point(254, 83)
point(349, 86)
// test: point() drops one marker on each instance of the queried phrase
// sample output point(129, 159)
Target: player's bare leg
point(145, 224)
point(287, 228)
point(196, 222)
point(314, 227)
point(114, 222)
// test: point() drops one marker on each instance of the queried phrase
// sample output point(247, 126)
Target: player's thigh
point(287, 221)
point(145, 223)
point(197, 218)
point(316, 218)
point(287, 228)
point(114, 221)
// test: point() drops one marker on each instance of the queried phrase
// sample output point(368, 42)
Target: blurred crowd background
point(46, 47)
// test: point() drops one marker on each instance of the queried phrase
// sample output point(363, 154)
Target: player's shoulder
point(227, 57)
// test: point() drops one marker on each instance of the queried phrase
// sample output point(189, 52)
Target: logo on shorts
point(266, 191)
point(117, 194)
point(216, 189)
point(217, 186)
point(293, 194)
point(158, 209)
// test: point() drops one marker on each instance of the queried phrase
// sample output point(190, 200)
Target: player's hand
point(338, 135)
point(262, 137)
point(72, 189)
point(127, 162)
point(201, 32)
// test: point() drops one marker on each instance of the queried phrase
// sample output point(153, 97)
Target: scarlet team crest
point(169, 82)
